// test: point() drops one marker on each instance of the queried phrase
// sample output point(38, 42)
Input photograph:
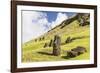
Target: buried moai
point(56, 45)
point(79, 50)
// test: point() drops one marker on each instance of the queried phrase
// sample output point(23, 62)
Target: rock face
point(84, 19)
point(56, 45)
point(76, 51)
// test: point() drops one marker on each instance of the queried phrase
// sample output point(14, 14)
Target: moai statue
point(51, 42)
point(45, 45)
point(35, 40)
point(42, 38)
point(56, 45)
point(68, 40)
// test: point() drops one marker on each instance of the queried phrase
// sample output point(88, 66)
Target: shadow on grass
point(75, 38)
point(45, 53)
point(82, 37)
point(67, 57)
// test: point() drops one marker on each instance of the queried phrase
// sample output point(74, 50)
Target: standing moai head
point(39, 39)
point(56, 45)
point(51, 43)
point(35, 40)
point(43, 38)
point(45, 45)
point(68, 40)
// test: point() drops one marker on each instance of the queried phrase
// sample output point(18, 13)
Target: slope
point(34, 50)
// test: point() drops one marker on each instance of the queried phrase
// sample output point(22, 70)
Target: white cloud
point(60, 17)
point(36, 23)
point(33, 24)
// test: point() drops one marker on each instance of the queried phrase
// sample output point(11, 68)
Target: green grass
point(34, 51)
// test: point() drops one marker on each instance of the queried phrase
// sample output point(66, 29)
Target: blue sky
point(51, 16)
point(36, 23)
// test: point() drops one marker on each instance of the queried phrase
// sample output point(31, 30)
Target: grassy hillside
point(34, 51)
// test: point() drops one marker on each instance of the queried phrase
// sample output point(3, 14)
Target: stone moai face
point(56, 45)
